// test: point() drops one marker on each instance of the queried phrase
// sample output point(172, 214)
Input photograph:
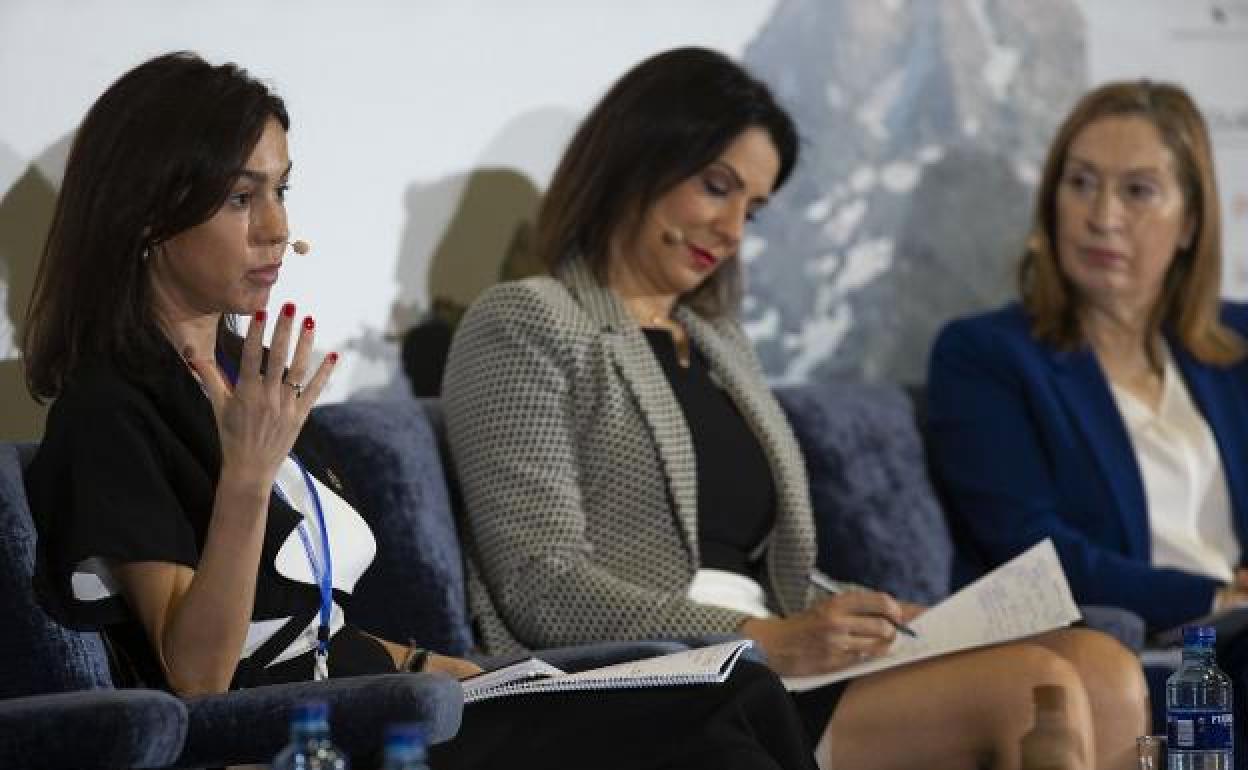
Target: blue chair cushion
point(877, 517)
point(37, 655)
point(251, 726)
point(388, 454)
point(92, 729)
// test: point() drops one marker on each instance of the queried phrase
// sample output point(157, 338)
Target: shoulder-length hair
point(1190, 298)
point(155, 155)
point(665, 120)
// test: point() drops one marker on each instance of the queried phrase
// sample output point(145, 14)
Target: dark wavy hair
point(156, 154)
point(665, 120)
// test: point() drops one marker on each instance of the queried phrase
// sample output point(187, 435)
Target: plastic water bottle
point(310, 747)
point(405, 747)
point(1199, 724)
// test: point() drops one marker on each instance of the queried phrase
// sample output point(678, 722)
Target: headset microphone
point(300, 247)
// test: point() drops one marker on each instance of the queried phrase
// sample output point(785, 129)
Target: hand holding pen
point(833, 633)
point(822, 581)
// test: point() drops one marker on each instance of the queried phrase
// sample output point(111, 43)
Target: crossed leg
point(1117, 691)
point(971, 709)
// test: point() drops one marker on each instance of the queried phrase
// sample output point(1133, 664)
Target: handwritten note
point(1025, 596)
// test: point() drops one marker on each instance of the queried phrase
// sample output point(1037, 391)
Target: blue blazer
point(1026, 442)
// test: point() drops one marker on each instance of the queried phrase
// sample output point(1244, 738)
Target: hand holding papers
point(1027, 595)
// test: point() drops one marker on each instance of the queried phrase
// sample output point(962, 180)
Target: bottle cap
point(1049, 697)
point(406, 733)
point(1199, 636)
point(311, 711)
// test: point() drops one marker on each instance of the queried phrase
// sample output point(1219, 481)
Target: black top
point(127, 472)
point(736, 492)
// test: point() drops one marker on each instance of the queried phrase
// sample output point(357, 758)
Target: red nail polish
point(333, 358)
point(309, 324)
point(288, 310)
point(260, 315)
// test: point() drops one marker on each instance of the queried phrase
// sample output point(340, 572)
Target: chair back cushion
point(877, 517)
point(37, 654)
point(388, 452)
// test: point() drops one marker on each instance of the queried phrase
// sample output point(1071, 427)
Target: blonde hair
point(1190, 296)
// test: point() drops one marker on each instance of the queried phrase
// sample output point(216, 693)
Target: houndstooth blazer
point(578, 471)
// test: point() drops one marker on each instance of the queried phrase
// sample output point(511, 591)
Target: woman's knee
point(1084, 646)
point(1035, 664)
point(1106, 666)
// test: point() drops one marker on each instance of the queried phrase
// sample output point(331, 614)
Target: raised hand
point(835, 632)
point(259, 417)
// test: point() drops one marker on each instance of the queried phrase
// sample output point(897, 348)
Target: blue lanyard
point(324, 574)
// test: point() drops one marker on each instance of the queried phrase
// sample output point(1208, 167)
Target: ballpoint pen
point(821, 580)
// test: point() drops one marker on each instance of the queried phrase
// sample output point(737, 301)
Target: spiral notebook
point(703, 665)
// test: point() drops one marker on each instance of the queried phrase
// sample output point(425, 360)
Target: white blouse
point(1189, 509)
point(730, 590)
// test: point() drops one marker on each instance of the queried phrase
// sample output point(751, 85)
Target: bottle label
point(1199, 729)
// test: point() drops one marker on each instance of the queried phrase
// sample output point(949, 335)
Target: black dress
point(127, 472)
point(736, 491)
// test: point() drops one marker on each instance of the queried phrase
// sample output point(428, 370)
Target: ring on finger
point(295, 386)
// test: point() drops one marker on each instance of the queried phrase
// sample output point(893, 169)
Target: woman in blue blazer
point(1107, 410)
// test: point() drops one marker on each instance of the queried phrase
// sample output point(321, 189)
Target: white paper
point(1025, 596)
point(524, 671)
point(701, 665)
point(701, 662)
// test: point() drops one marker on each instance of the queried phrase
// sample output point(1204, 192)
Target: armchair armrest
point(251, 726)
point(1122, 624)
point(92, 729)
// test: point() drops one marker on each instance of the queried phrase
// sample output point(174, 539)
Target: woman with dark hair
point(184, 505)
point(1120, 379)
point(627, 473)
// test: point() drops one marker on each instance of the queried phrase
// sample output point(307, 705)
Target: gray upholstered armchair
point(58, 707)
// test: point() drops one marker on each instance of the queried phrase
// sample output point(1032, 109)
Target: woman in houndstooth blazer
point(605, 420)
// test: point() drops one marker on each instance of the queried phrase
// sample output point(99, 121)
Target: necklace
point(648, 319)
point(680, 337)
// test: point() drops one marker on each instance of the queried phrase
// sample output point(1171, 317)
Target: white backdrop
point(1203, 45)
point(395, 104)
